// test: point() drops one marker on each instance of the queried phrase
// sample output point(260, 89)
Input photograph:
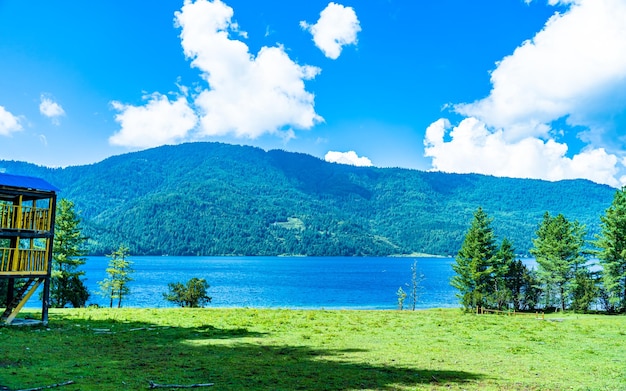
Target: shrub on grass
point(192, 294)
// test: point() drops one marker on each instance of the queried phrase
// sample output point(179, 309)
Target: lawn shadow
point(279, 367)
point(127, 355)
point(112, 326)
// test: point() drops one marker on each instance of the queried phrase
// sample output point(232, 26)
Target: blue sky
point(533, 89)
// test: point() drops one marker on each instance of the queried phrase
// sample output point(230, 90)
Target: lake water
point(284, 282)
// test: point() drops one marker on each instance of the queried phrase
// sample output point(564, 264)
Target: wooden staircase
point(19, 299)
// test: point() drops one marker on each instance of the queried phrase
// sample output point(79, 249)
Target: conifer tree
point(558, 249)
point(474, 262)
point(612, 251)
point(584, 290)
point(115, 286)
point(66, 285)
point(501, 295)
point(522, 284)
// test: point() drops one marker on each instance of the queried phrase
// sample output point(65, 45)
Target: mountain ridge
point(221, 199)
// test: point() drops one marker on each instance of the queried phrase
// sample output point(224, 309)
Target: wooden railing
point(23, 261)
point(24, 217)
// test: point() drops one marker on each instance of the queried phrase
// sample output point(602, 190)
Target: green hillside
point(219, 199)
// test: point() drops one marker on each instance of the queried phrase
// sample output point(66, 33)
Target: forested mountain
point(219, 199)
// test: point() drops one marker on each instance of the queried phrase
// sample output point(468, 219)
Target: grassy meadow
point(278, 349)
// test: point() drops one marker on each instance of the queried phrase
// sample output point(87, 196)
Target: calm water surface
point(285, 282)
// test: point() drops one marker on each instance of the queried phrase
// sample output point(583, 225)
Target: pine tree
point(66, 285)
point(115, 286)
point(558, 249)
point(584, 290)
point(612, 251)
point(522, 284)
point(474, 262)
point(501, 295)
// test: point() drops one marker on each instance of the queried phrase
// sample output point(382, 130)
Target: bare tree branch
point(67, 383)
point(156, 385)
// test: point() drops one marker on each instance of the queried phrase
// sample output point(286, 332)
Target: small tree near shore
point(401, 297)
point(192, 294)
point(115, 286)
point(416, 285)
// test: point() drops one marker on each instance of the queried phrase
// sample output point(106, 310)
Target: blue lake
point(284, 282)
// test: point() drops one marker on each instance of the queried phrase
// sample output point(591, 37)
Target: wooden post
point(45, 299)
point(18, 213)
point(33, 216)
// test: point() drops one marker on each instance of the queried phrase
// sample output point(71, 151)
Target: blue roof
point(26, 182)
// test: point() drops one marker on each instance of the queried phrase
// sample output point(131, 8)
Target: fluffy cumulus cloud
point(349, 157)
point(476, 149)
point(159, 121)
point(9, 123)
point(51, 109)
point(336, 27)
point(573, 71)
point(247, 95)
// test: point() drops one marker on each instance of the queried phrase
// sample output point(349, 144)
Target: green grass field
point(273, 349)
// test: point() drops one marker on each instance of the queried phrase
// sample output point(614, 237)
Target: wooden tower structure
point(27, 212)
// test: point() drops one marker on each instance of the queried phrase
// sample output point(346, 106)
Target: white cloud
point(563, 2)
point(557, 2)
point(249, 95)
point(574, 69)
point(51, 109)
point(349, 157)
point(8, 122)
point(473, 148)
point(159, 121)
point(337, 27)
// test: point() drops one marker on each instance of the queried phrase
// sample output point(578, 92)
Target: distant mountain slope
point(219, 199)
